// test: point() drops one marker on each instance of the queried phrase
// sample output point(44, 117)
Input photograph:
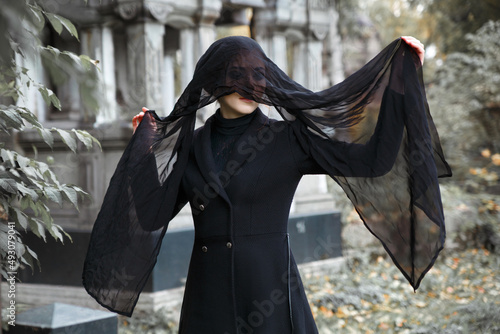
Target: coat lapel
point(205, 159)
point(237, 159)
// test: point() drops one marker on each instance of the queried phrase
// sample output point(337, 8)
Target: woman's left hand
point(416, 45)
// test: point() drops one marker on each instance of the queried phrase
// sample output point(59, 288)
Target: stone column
point(208, 12)
point(97, 42)
point(205, 36)
point(308, 63)
point(312, 64)
point(274, 45)
point(270, 26)
point(170, 49)
point(66, 85)
point(168, 79)
point(145, 64)
point(144, 28)
point(308, 51)
point(187, 44)
point(31, 98)
point(312, 193)
point(334, 50)
point(196, 38)
point(300, 57)
point(269, 29)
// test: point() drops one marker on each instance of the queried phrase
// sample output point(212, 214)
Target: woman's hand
point(416, 45)
point(138, 118)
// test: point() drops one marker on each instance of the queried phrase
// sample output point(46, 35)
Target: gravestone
point(315, 236)
point(60, 318)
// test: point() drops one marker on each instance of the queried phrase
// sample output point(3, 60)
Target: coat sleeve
point(130, 226)
point(388, 162)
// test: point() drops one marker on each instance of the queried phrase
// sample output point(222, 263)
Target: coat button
point(204, 249)
point(229, 245)
point(201, 207)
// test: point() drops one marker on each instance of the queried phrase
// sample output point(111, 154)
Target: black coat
point(242, 276)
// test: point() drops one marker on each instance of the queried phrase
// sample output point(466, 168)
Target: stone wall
point(147, 51)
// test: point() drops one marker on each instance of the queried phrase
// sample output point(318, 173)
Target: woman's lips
point(245, 100)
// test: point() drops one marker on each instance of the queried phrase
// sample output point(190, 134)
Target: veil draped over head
point(372, 133)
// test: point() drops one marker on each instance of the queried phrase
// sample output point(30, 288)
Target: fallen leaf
point(486, 153)
point(420, 304)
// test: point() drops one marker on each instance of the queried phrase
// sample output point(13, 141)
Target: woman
point(372, 133)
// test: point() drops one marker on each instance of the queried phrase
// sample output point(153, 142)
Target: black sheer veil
point(372, 133)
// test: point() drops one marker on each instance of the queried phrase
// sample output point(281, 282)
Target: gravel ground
point(461, 294)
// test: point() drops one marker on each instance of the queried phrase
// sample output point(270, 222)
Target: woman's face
point(234, 106)
point(245, 73)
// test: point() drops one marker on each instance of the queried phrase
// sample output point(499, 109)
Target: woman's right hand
point(138, 118)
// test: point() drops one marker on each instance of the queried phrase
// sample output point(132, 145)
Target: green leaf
point(49, 97)
point(94, 139)
point(13, 172)
point(56, 23)
point(84, 137)
point(34, 256)
point(11, 118)
point(49, 175)
point(45, 94)
point(21, 218)
point(55, 231)
point(37, 228)
point(9, 185)
point(69, 26)
point(55, 101)
point(66, 234)
point(55, 51)
point(8, 156)
point(30, 172)
point(29, 117)
point(53, 195)
point(22, 161)
point(37, 171)
point(47, 136)
point(25, 191)
point(27, 258)
point(39, 184)
point(4, 127)
point(34, 207)
point(79, 190)
point(86, 62)
point(71, 195)
point(38, 21)
point(43, 167)
point(25, 202)
point(45, 214)
point(67, 139)
point(72, 57)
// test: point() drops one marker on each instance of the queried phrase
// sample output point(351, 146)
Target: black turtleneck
point(224, 134)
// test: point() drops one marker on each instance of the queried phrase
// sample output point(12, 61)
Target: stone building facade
point(147, 51)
